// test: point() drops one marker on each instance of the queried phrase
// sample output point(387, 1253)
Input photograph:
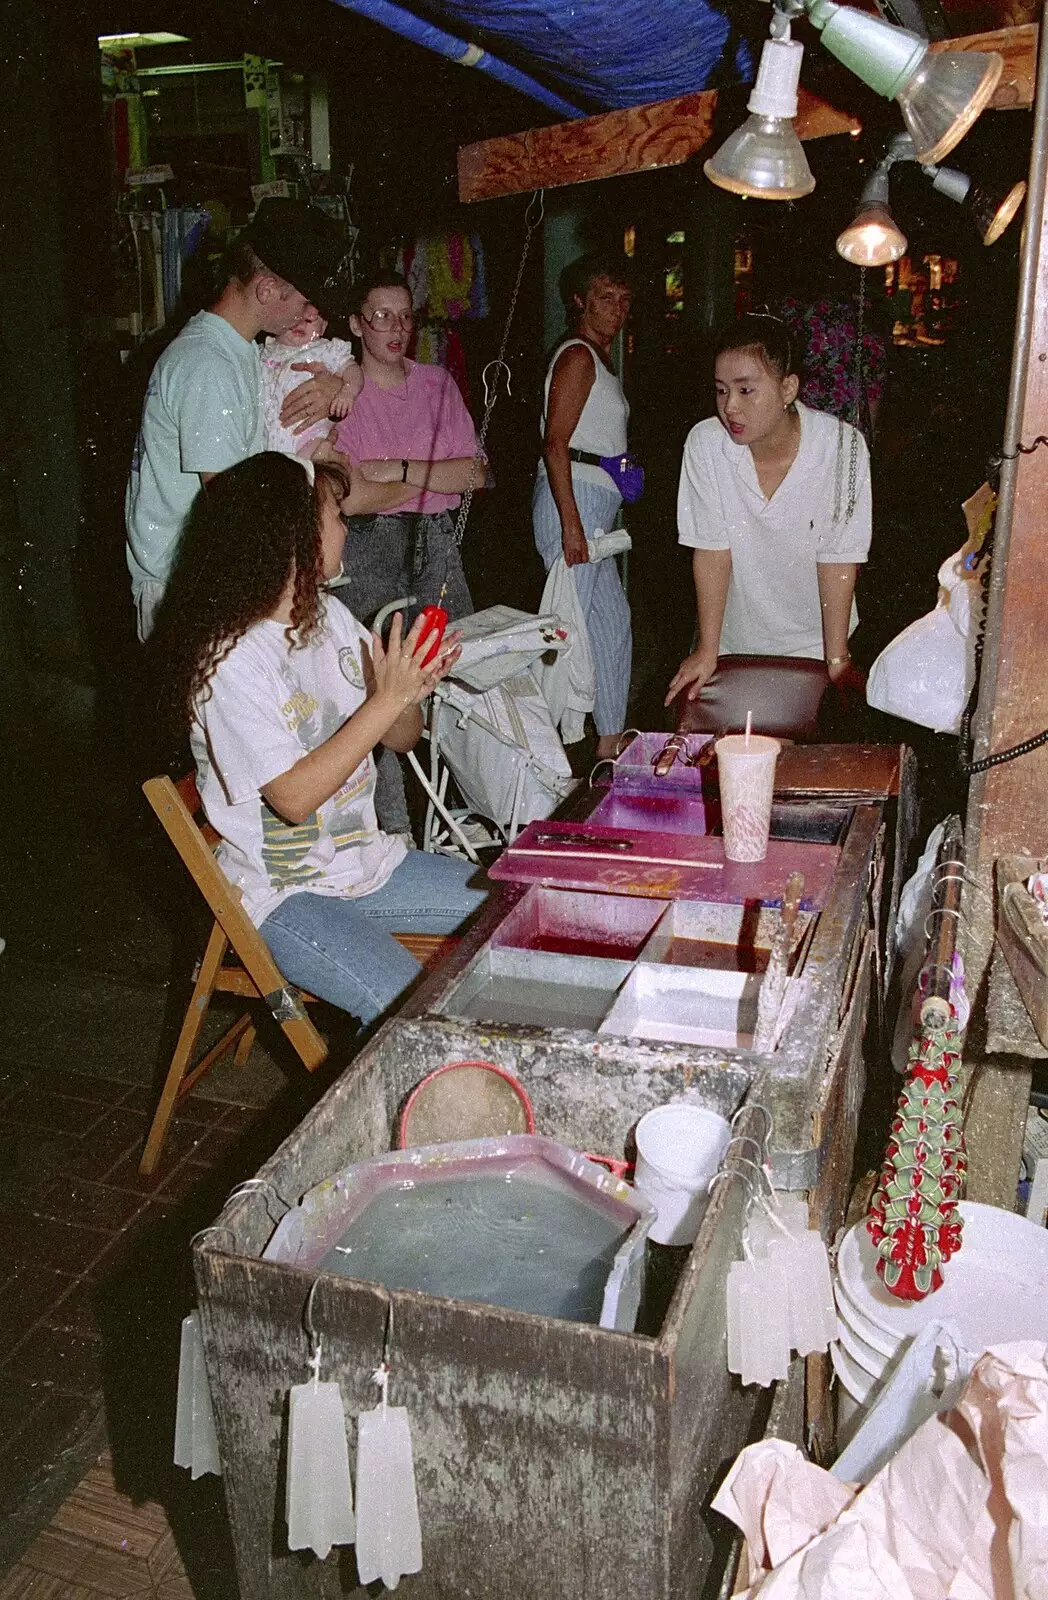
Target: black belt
point(587, 457)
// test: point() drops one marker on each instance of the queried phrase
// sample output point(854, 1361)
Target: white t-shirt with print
point(773, 605)
point(269, 706)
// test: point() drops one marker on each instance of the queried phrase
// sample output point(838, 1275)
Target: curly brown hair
point(250, 528)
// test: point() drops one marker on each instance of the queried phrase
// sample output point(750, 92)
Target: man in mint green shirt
point(203, 410)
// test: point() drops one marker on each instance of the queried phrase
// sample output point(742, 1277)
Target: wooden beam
point(667, 132)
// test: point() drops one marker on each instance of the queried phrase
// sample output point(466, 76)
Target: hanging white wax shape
point(779, 1233)
point(319, 1498)
point(389, 1538)
point(758, 1347)
point(196, 1443)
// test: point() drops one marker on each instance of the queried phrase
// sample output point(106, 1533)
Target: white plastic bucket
point(679, 1148)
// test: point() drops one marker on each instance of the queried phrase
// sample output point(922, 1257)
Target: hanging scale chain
point(498, 368)
point(860, 387)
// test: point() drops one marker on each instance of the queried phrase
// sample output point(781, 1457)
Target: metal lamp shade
point(993, 209)
point(763, 159)
point(873, 239)
point(940, 94)
point(944, 97)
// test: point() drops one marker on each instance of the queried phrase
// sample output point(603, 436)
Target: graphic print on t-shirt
point(296, 853)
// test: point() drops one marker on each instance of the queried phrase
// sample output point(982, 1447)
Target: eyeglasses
point(384, 321)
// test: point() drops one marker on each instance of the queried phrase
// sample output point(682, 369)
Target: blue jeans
point(344, 951)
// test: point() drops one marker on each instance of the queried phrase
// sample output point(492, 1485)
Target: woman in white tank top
point(585, 412)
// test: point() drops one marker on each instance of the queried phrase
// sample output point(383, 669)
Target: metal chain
point(853, 451)
point(533, 218)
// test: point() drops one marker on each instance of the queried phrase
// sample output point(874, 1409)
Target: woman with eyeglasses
point(409, 425)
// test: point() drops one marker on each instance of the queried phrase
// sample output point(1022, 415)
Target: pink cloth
point(423, 419)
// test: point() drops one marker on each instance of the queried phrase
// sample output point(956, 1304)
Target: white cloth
point(601, 429)
point(202, 413)
point(773, 605)
point(269, 706)
point(278, 380)
point(569, 682)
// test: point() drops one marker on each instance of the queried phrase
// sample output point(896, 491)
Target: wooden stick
point(622, 860)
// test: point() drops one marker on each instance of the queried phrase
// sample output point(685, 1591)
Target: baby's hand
point(352, 383)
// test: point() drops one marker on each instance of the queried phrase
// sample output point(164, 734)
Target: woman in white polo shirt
point(774, 502)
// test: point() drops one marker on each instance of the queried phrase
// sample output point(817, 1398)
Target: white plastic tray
point(686, 1005)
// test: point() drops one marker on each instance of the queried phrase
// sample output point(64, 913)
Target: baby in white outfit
point(281, 354)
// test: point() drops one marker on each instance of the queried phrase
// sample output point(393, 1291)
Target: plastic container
point(746, 774)
point(465, 1100)
point(562, 1232)
point(679, 1148)
point(686, 1005)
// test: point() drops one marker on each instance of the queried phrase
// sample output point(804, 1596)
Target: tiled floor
point(94, 1280)
point(100, 1544)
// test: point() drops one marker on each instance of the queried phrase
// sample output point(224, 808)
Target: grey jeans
point(403, 553)
point(386, 558)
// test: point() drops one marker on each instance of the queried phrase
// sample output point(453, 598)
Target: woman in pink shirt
point(409, 425)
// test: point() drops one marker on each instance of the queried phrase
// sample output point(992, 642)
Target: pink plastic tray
point(664, 866)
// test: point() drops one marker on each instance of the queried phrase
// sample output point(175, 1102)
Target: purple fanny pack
point(625, 470)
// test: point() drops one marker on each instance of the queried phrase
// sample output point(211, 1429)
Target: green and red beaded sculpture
point(914, 1221)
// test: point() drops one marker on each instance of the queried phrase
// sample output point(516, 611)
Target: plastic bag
point(926, 673)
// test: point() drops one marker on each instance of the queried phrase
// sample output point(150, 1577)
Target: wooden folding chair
point(236, 960)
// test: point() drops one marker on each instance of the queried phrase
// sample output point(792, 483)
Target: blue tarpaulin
point(579, 56)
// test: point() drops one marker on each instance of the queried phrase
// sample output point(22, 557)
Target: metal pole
point(1028, 265)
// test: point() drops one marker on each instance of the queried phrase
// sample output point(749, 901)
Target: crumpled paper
point(960, 1512)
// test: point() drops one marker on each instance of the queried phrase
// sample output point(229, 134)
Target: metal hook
point(387, 1340)
point(491, 384)
point(213, 1227)
point(316, 1343)
point(731, 1172)
point(755, 1105)
point(764, 1182)
point(605, 761)
point(536, 210)
point(260, 1186)
point(744, 1138)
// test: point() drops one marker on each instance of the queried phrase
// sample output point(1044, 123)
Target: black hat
point(304, 247)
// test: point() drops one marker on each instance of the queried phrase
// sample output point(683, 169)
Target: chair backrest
point(175, 805)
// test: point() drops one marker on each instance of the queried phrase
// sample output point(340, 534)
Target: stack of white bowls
point(994, 1290)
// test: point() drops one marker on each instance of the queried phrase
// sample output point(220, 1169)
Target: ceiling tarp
point(594, 55)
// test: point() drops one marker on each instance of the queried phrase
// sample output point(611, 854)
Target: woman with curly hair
point(285, 696)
